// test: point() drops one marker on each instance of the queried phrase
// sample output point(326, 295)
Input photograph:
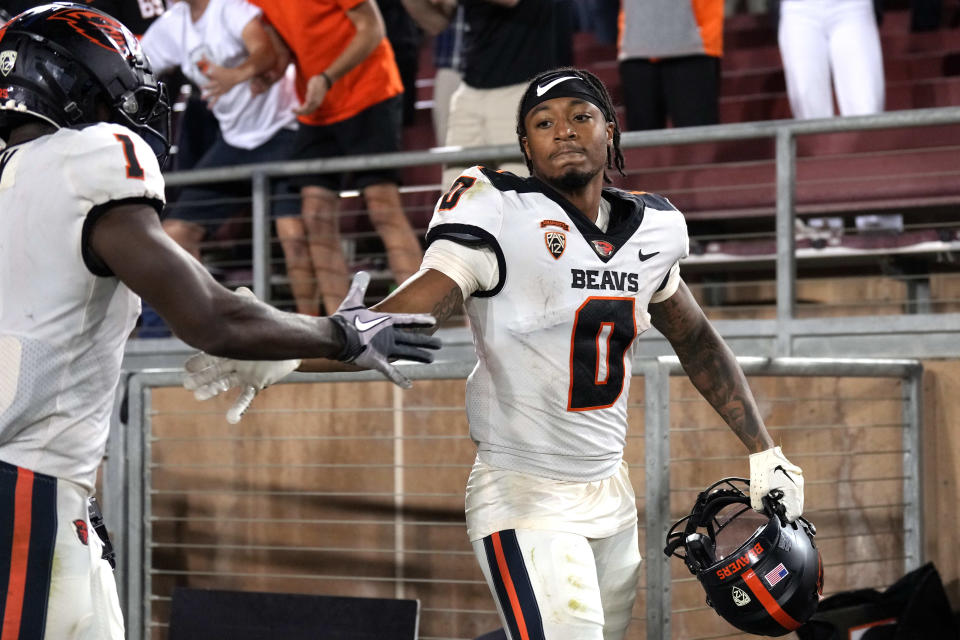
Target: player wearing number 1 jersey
point(80, 238)
point(559, 275)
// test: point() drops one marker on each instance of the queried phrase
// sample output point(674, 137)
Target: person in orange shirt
point(669, 54)
point(350, 90)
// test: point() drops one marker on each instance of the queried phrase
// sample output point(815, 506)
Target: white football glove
point(771, 470)
point(371, 340)
point(208, 376)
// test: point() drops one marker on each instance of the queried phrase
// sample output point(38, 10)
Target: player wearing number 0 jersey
point(555, 332)
point(559, 275)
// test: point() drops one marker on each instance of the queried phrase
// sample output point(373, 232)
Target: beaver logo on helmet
point(97, 27)
point(760, 573)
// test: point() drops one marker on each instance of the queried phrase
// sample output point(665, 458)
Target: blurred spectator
point(405, 39)
point(136, 15)
point(507, 42)
point(350, 87)
point(600, 17)
point(448, 61)
point(749, 6)
point(831, 40)
point(220, 45)
point(670, 54)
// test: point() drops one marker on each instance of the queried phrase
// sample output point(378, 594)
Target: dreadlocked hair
point(614, 158)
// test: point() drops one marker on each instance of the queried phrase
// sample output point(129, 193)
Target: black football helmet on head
point(762, 574)
point(68, 65)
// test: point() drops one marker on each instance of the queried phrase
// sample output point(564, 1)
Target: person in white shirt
point(559, 275)
point(83, 116)
point(220, 45)
point(831, 48)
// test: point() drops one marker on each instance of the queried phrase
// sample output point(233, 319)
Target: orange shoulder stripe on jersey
point(757, 588)
point(22, 516)
point(508, 584)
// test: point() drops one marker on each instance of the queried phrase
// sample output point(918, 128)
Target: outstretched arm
point(427, 291)
point(711, 366)
point(131, 243)
point(715, 373)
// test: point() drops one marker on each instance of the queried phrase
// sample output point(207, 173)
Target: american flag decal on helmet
point(775, 575)
point(556, 243)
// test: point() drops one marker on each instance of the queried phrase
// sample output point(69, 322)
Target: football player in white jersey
point(80, 193)
point(559, 275)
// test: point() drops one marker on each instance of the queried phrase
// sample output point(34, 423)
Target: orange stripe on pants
point(508, 583)
point(22, 511)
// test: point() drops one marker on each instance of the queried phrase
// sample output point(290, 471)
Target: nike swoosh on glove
point(771, 470)
point(208, 376)
point(373, 338)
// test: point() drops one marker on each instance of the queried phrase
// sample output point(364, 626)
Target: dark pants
point(925, 15)
point(686, 90)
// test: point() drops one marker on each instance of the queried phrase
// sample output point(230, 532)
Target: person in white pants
point(838, 39)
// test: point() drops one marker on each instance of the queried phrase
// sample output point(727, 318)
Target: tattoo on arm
point(445, 308)
point(711, 366)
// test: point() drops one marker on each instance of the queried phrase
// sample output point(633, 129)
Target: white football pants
point(56, 586)
point(561, 586)
point(839, 37)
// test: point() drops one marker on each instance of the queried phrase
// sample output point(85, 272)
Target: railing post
point(113, 493)
point(786, 256)
point(133, 562)
point(656, 397)
point(912, 387)
point(146, 518)
point(261, 235)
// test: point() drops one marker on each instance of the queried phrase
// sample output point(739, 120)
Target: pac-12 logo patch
point(603, 248)
point(740, 597)
point(81, 526)
point(556, 243)
point(7, 60)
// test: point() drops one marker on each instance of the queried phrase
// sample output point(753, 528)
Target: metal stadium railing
point(766, 298)
point(342, 484)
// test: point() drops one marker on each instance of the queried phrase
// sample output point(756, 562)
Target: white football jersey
point(64, 319)
point(555, 337)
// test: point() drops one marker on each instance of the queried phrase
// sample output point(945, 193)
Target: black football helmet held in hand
point(762, 574)
point(68, 64)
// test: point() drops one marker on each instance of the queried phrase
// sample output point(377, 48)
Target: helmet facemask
point(760, 573)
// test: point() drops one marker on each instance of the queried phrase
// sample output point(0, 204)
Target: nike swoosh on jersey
point(370, 324)
point(646, 256)
point(543, 88)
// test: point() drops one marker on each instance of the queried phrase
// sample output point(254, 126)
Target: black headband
point(561, 84)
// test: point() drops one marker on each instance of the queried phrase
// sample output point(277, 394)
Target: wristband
point(326, 76)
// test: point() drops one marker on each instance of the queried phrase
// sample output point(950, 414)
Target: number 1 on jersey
point(603, 330)
point(134, 170)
